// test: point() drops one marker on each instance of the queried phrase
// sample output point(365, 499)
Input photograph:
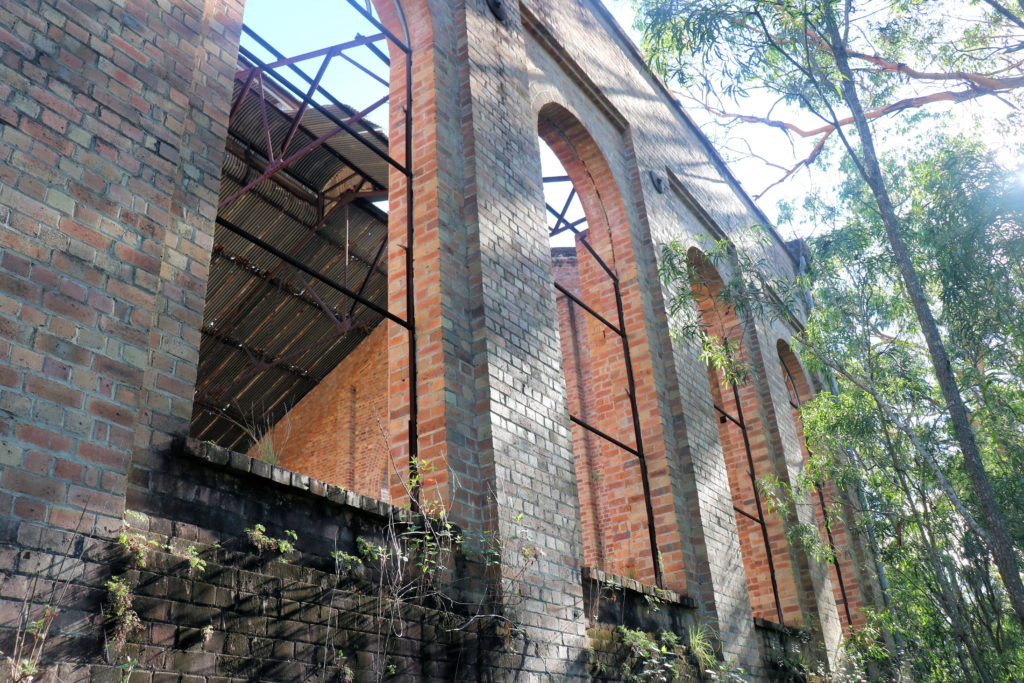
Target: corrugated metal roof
point(268, 339)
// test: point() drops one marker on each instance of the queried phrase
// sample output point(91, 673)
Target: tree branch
point(1005, 12)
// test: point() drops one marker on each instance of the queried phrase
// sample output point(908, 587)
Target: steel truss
point(562, 224)
point(269, 82)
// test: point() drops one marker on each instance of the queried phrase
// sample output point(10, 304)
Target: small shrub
point(191, 555)
point(370, 552)
point(124, 621)
point(258, 537)
point(136, 546)
point(345, 562)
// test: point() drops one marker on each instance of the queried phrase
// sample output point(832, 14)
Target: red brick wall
point(334, 434)
point(613, 475)
point(112, 124)
point(723, 323)
point(840, 536)
point(613, 511)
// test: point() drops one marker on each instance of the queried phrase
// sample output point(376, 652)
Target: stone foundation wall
point(214, 607)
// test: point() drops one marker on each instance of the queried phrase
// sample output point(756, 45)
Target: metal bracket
point(497, 8)
point(657, 181)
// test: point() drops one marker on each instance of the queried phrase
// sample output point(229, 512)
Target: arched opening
point(617, 444)
point(300, 319)
point(766, 557)
point(827, 504)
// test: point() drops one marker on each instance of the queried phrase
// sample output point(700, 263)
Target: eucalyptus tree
point(962, 214)
point(849, 66)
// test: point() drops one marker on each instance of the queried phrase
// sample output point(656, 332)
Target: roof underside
point(270, 331)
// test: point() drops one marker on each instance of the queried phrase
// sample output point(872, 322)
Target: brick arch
point(378, 373)
point(741, 405)
point(614, 510)
point(842, 571)
point(412, 22)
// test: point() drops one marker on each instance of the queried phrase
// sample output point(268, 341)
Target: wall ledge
point(243, 464)
point(602, 577)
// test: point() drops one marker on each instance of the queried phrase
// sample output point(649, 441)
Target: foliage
point(886, 432)
point(137, 546)
point(35, 620)
point(701, 642)
point(191, 555)
point(783, 66)
point(258, 537)
point(918, 285)
point(963, 216)
point(122, 619)
point(662, 658)
point(344, 561)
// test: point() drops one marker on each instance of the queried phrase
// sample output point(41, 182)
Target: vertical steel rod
point(641, 456)
point(757, 501)
point(410, 294)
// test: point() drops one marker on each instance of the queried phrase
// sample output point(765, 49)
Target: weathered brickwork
point(113, 119)
point(113, 125)
point(843, 573)
point(744, 444)
point(335, 434)
point(612, 508)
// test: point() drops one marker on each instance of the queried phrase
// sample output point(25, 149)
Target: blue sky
point(288, 28)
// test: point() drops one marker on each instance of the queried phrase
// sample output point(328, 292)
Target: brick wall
point(243, 615)
point(742, 405)
point(112, 119)
point(835, 528)
point(112, 124)
point(335, 433)
point(612, 507)
point(624, 520)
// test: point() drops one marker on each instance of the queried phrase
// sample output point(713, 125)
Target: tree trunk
point(999, 544)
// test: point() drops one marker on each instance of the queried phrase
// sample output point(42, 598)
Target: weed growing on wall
point(122, 620)
point(259, 539)
point(35, 620)
point(414, 561)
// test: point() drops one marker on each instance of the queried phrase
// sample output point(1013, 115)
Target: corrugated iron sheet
point(271, 333)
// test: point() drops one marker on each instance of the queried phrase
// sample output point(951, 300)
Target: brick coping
point(663, 594)
point(239, 462)
point(244, 464)
point(779, 628)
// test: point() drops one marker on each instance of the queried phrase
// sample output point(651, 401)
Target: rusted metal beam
point(325, 94)
point(276, 166)
point(297, 117)
point(283, 178)
point(576, 300)
point(345, 161)
point(259, 356)
point(749, 516)
point(311, 271)
point(220, 252)
point(603, 435)
point(315, 228)
point(288, 61)
point(391, 36)
point(376, 259)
